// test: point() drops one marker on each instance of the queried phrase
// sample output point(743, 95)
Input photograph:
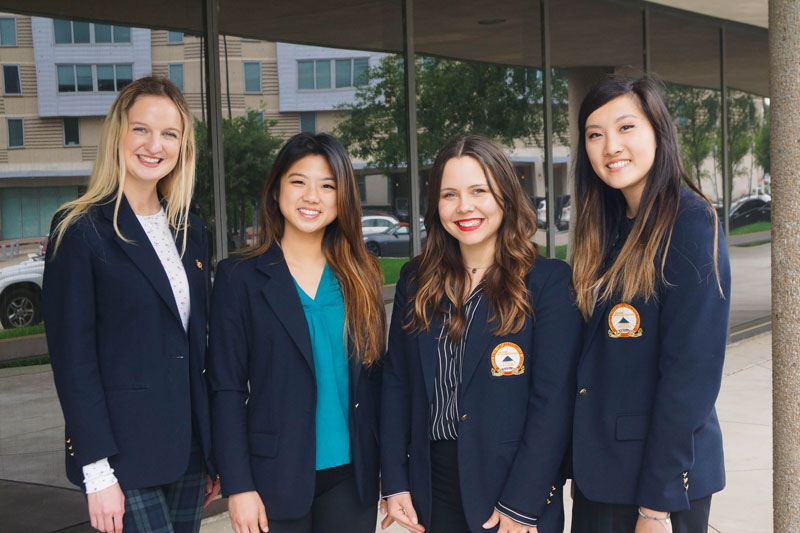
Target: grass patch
point(33, 361)
point(391, 268)
point(21, 332)
point(755, 227)
point(561, 251)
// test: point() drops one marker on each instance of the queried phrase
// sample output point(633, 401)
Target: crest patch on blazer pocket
point(507, 360)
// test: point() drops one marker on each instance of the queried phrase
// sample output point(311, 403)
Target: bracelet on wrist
point(648, 517)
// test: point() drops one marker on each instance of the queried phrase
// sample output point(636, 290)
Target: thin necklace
point(475, 269)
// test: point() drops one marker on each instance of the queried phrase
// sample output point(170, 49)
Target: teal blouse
point(325, 318)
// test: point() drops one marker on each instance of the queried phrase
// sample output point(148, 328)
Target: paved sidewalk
point(745, 412)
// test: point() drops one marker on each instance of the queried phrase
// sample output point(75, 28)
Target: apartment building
point(60, 78)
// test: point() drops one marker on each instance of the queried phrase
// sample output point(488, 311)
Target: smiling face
point(307, 197)
point(467, 207)
point(152, 143)
point(621, 145)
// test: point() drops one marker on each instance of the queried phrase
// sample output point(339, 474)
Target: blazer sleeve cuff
point(385, 496)
point(516, 516)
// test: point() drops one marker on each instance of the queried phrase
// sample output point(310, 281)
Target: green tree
point(742, 125)
point(454, 98)
point(249, 151)
point(762, 141)
point(695, 113)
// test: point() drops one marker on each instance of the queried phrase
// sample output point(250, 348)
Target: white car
point(371, 224)
point(21, 293)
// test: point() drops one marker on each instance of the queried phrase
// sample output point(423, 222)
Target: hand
point(106, 508)
point(507, 525)
point(212, 489)
point(384, 509)
point(401, 510)
point(247, 513)
point(648, 525)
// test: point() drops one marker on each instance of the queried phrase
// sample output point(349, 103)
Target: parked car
point(748, 210)
point(392, 243)
point(562, 212)
point(376, 222)
point(21, 293)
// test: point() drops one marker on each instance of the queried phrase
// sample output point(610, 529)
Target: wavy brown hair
point(442, 278)
point(357, 272)
point(600, 208)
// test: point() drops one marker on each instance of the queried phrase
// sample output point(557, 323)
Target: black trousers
point(335, 509)
point(447, 511)
point(593, 517)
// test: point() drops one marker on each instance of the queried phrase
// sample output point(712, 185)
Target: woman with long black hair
point(651, 275)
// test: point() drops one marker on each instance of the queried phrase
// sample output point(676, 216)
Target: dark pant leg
point(595, 517)
point(146, 511)
point(338, 509)
point(301, 525)
point(695, 520)
point(447, 509)
point(184, 498)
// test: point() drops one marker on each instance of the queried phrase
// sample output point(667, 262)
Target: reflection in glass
point(122, 34)
point(176, 75)
point(80, 32)
point(305, 74)
point(8, 31)
point(323, 74)
point(66, 78)
point(102, 33)
point(252, 77)
point(124, 75)
point(63, 31)
point(360, 68)
point(84, 76)
point(343, 72)
point(105, 77)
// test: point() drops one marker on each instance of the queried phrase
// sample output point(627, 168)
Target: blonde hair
point(108, 176)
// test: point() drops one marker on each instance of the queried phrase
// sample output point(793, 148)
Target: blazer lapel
point(428, 342)
point(477, 340)
point(599, 316)
point(281, 295)
point(140, 251)
point(195, 271)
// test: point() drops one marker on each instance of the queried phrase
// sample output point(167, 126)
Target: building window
point(16, 136)
point(11, 83)
point(81, 78)
point(73, 32)
point(174, 37)
point(176, 75)
point(322, 74)
point(305, 74)
point(252, 77)
point(316, 74)
point(72, 131)
point(308, 122)
point(361, 180)
point(258, 116)
point(8, 31)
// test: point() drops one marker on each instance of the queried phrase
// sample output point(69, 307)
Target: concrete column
point(784, 58)
point(579, 81)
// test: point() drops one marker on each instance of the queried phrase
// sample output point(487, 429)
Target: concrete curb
point(23, 347)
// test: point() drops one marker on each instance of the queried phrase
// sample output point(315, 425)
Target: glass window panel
point(176, 75)
point(8, 32)
point(252, 77)
point(124, 75)
point(360, 68)
point(16, 136)
point(305, 74)
point(257, 115)
point(102, 33)
point(343, 72)
point(11, 83)
point(63, 31)
point(323, 74)
point(122, 34)
point(66, 78)
point(80, 32)
point(105, 77)
point(174, 37)
point(72, 131)
point(84, 77)
point(308, 122)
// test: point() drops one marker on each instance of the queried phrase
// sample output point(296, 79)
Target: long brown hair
point(600, 208)
point(358, 273)
point(108, 177)
point(442, 278)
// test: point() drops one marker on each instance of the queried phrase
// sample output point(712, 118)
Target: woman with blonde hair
point(124, 303)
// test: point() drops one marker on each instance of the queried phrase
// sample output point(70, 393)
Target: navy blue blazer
point(129, 377)
point(264, 393)
point(514, 430)
point(646, 431)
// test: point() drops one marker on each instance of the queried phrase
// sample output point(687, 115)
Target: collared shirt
point(444, 407)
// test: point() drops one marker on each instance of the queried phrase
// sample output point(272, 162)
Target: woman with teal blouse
point(296, 332)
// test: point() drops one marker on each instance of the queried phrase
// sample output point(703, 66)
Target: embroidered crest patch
point(623, 322)
point(507, 360)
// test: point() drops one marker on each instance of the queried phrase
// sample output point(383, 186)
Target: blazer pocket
point(632, 427)
point(263, 444)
